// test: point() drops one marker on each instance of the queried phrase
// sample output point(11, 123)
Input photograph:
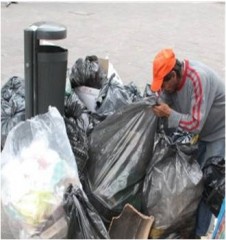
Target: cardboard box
point(88, 96)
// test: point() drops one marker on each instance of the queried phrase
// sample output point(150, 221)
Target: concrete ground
point(130, 34)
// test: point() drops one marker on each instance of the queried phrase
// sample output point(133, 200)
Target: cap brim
point(156, 85)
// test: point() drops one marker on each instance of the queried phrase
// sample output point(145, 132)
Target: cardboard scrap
point(130, 224)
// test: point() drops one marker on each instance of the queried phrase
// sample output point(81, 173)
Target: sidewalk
point(130, 34)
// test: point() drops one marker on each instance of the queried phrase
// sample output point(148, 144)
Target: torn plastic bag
point(111, 98)
point(133, 91)
point(120, 148)
point(37, 166)
point(214, 183)
point(173, 186)
point(87, 73)
point(84, 221)
point(12, 105)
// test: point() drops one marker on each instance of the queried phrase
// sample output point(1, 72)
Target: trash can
point(45, 68)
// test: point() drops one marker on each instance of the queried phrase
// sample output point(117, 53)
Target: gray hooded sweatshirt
point(199, 104)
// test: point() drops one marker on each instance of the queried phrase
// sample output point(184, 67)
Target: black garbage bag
point(133, 91)
point(12, 105)
point(75, 108)
point(173, 186)
point(111, 98)
point(77, 121)
point(84, 221)
point(79, 143)
point(120, 148)
point(88, 73)
point(214, 183)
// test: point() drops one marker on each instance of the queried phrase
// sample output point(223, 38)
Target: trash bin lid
point(49, 30)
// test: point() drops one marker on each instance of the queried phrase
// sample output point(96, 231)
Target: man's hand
point(162, 110)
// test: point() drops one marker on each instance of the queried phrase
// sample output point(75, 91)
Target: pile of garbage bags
point(78, 171)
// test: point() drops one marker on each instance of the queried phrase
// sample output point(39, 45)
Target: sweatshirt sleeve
point(201, 100)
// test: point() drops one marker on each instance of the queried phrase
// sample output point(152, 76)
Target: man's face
point(171, 85)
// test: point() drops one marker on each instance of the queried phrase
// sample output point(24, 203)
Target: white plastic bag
point(37, 166)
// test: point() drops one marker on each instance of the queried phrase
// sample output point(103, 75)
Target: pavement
point(129, 34)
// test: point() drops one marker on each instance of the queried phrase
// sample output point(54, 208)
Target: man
point(193, 100)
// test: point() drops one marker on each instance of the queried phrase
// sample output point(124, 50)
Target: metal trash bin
point(45, 68)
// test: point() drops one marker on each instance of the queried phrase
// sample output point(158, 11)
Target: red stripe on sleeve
point(196, 109)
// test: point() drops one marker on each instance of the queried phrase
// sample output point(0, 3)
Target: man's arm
point(192, 121)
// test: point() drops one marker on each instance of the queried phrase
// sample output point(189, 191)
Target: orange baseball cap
point(163, 63)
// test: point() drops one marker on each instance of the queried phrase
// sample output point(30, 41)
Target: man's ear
point(174, 74)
